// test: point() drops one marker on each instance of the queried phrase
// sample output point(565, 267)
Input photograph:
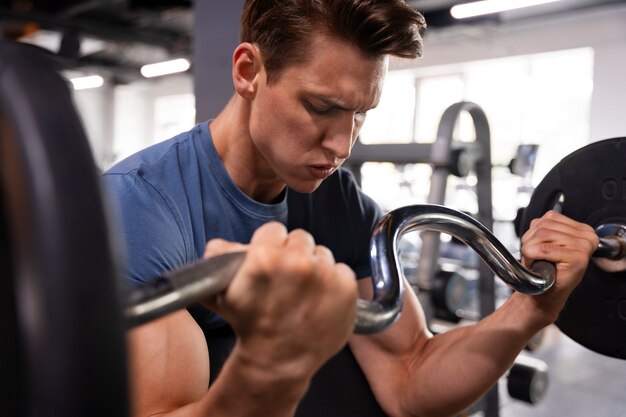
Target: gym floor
point(581, 383)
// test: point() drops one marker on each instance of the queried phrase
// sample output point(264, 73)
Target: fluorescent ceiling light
point(164, 68)
point(83, 83)
point(479, 8)
point(51, 41)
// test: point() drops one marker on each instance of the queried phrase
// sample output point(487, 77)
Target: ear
point(247, 66)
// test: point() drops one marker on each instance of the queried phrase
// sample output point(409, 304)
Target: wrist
point(533, 311)
point(269, 378)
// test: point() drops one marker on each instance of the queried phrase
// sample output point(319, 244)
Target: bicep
point(387, 357)
point(168, 364)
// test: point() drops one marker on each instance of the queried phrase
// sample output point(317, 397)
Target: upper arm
point(168, 364)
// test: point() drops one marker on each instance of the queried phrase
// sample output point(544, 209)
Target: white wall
point(119, 120)
point(604, 30)
point(608, 105)
point(96, 109)
point(134, 111)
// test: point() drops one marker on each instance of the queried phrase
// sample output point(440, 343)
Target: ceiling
point(437, 12)
point(114, 36)
point(119, 36)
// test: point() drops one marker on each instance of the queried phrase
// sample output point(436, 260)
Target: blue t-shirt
point(172, 197)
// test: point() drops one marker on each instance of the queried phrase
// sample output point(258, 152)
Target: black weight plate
point(65, 313)
point(528, 383)
point(592, 181)
point(449, 295)
point(10, 370)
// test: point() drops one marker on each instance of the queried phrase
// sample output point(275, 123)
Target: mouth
point(321, 171)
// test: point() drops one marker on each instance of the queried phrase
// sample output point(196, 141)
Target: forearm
point(455, 368)
point(413, 373)
point(244, 388)
point(464, 363)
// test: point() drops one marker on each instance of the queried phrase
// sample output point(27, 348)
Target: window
point(542, 99)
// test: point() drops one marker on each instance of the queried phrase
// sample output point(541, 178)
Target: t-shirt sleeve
point(145, 226)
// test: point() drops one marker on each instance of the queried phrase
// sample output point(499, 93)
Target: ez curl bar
point(181, 288)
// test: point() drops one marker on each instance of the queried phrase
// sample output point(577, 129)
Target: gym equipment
point(464, 228)
point(450, 294)
point(527, 379)
point(65, 340)
point(536, 341)
point(523, 162)
point(589, 186)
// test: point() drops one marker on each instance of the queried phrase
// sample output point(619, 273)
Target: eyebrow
point(338, 105)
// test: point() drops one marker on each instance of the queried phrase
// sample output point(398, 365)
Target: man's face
point(305, 124)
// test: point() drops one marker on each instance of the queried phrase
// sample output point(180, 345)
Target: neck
point(242, 160)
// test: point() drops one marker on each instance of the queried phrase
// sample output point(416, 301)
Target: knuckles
point(552, 215)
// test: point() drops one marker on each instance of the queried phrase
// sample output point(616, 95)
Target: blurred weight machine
point(450, 280)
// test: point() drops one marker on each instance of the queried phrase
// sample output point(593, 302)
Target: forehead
point(338, 70)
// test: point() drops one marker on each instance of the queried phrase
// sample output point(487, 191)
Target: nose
point(340, 136)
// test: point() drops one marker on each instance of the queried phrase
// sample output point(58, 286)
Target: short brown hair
point(376, 27)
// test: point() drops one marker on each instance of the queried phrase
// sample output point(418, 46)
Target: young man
point(266, 172)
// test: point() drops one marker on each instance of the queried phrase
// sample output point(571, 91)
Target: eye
point(321, 111)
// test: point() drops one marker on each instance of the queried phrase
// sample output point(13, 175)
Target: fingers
point(274, 249)
point(299, 239)
point(339, 272)
point(274, 252)
point(270, 234)
point(555, 237)
point(218, 246)
point(567, 243)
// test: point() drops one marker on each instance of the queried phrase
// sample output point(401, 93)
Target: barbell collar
point(611, 253)
point(612, 241)
point(611, 247)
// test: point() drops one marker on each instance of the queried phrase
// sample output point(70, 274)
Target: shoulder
point(150, 179)
point(152, 157)
point(138, 192)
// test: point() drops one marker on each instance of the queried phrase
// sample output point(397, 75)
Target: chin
point(305, 187)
